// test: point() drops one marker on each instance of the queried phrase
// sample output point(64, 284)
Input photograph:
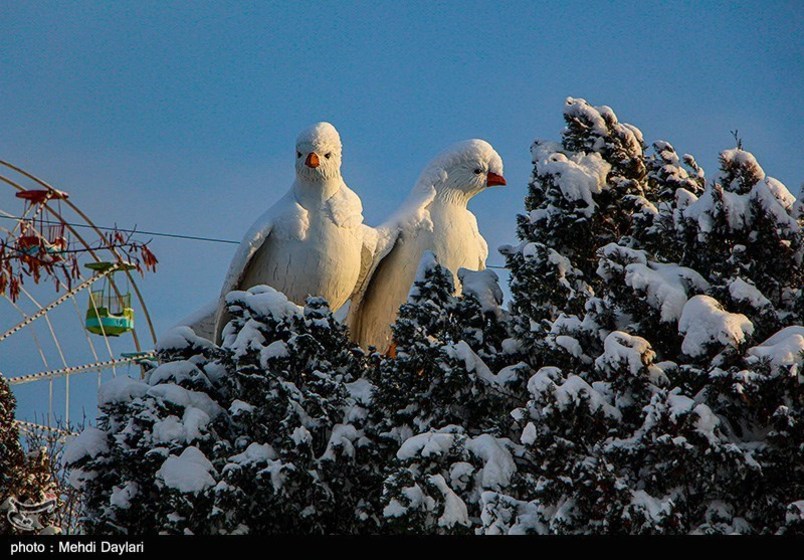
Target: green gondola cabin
point(109, 312)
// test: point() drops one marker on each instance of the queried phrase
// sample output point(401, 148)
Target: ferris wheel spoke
point(63, 362)
point(49, 307)
point(89, 338)
point(33, 331)
point(73, 370)
point(32, 428)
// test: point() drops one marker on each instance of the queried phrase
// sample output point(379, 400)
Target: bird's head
point(318, 153)
point(466, 169)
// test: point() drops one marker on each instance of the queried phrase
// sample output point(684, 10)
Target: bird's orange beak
point(495, 179)
point(312, 160)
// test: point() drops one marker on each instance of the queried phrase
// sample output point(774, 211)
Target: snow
point(265, 301)
point(416, 499)
point(669, 154)
point(704, 322)
point(798, 208)
point(780, 191)
point(600, 119)
point(360, 391)
point(769, 194)
point(484, 286)
point(475, 364)
point(427, 444)
point(176, 372)
point(579, 176)
point(742, 291)
point(277, 349)
point(342, 437)
point(766, 196)
point(706, 423)
point(121, 389)
point(249, 339)
point(737, 210)
point(615, 257)
point(240, 407)
point(394, 509)
point(782, 349)
point(737, 157)
point(301, 436)
point(168, 430)
point(653, 508)
point(185, 398)
point(569, 393)
point(181, 337)
point(528, 434)
point(795, 512)
point(195, 422)
point(619, 347)
point(89, 443)
point(679, 405)
point(455, 511)
point(569, 344)
point(255, 453)
point(122, 495)
point(460, 474)
point(190, 472)
point(428, 262)
point(667, 286)
point(498, 467)
point(684, 199)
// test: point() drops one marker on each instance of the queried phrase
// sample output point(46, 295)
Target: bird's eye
point(328, 155)
point(478, 171)
point(298, 154)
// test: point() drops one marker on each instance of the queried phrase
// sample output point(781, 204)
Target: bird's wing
point(251, 243)
point(202, 320)
point(385, 242)
point(248, 247)
point(371, 238)
point(387, 238)
point(412, 214)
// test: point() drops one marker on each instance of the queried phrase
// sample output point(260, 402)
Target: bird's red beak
point(495, 179)
point(312, 160)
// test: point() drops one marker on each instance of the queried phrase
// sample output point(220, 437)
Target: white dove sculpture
point(434, 218)
point(312, 242)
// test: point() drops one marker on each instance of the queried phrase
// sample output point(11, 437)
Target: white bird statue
point(434, 218)
point(312, 242)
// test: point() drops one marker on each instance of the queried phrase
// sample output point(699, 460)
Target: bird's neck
point(452, 197)
point(311, 194)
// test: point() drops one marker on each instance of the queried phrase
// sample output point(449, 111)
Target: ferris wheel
point(69, 301)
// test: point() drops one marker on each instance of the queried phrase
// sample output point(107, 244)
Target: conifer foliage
point(666, 393)
point(255, 436)
point(25, 476)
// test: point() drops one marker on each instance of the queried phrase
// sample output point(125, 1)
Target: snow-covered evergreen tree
point(440, 406)
point(583, 195)
point(659, 407)
point(296, 427)
point(259, 435)
point(144, 468)
point(24, 475)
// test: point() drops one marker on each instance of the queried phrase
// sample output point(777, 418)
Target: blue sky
point(181, 117)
